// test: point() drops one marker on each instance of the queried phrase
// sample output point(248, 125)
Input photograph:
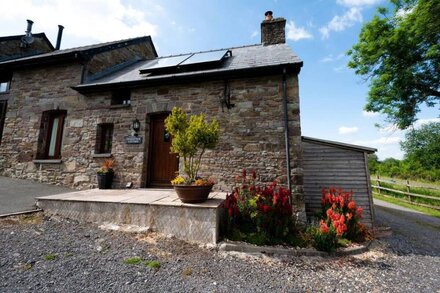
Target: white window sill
point(109, 155)
point(47, 161)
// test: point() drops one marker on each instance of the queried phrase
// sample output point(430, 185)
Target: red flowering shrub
point(262, 210)
point(340, 211)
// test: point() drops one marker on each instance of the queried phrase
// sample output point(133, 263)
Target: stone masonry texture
point(252, 132)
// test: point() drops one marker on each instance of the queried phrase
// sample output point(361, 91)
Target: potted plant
point(192, 136)
point(105, 174)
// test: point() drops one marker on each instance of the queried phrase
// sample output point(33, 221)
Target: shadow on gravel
point(412, 232)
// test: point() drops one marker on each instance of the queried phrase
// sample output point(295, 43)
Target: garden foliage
point(340, 218)
point(192, 136)
point(260, 214)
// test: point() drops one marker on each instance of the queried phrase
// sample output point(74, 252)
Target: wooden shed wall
point(326, 166)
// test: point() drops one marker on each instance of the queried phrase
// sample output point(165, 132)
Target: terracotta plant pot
point(105, 180)
point(193, 193)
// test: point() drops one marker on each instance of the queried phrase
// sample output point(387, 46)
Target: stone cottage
point(63, 112)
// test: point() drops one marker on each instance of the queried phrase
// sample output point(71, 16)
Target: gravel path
point(420, 230)
point(52, 255)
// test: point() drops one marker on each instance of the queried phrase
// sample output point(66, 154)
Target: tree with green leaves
point(192, 136)
point(399, 53)
point(422, 146)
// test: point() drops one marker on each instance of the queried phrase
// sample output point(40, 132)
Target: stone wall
point(252, 133)
point(102, 61)
point(11, 48)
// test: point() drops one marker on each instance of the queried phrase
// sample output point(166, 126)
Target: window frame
point(45, 136)
point(3, 110)
point(5, 78)
point(121, 97)
point(104, 137)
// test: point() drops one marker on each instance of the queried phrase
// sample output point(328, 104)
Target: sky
point(320, 32)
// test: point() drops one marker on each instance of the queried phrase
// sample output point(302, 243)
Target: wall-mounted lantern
point(136, 125)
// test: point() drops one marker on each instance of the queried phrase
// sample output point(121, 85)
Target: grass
point(133, 260)
point(416, 190)
point(152, 264)
point(427, 211)
point(50, 256)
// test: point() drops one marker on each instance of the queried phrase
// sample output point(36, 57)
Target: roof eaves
point(339, 144)
point(79, 53)
point(199, 76)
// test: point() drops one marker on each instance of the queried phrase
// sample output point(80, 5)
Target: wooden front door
point(162, 164)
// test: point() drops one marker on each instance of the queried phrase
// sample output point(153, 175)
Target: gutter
point(286, 134)
point(191, 78)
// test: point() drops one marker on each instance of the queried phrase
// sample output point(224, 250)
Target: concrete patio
point(158, 209)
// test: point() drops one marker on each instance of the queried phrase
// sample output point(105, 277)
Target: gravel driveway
point(414, 232)
point(53, 255)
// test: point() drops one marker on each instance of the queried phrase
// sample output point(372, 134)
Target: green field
point(422, 195)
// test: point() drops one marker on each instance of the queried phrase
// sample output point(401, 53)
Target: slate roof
point(252, 57)
point(76, 52)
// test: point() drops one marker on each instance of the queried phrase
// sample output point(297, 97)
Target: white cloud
point(342, 22)
point(295, 33)
point(99, 20)
point(421, 122)
point(331, 58)
point(327, 59)
point(348, 130)
point(369, 114)
point(390, 129)
point(352, 3)
point(254, 34)
point(384, 140)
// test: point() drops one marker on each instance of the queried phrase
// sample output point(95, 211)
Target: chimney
point(273, 30)
point(27, 39)
point(29, 27)
point(60, 34)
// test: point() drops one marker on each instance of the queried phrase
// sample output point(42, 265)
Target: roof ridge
point(101, 44)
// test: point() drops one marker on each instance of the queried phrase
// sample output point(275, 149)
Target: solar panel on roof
point(184, 62)
point(166, 62)
point(205, 57)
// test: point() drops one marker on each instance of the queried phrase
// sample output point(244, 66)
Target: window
point(3, 105)
point(121, 97)
point(104, 135)
point(51, 134)
point(5, 82)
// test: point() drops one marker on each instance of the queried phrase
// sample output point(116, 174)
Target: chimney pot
point(273, 30)
point(60, 34)
point(29, 26)
point(268, 15)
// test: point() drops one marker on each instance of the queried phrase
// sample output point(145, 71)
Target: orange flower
point(359, 212)
point(349, 216)
point(324, 227)
point(352, 205)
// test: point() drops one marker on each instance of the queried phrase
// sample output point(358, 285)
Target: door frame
point(151, 118)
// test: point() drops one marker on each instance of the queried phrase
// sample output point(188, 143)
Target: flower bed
point(263, 215)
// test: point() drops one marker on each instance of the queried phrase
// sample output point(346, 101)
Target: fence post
point(378, 183)
point(408, 189)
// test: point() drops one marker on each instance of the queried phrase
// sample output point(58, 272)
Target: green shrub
point(260, 214)
point(192, 136)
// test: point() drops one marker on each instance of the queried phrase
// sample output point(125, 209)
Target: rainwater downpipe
point(286, 133)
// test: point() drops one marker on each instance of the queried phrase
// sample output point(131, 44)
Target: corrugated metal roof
point(246, 57)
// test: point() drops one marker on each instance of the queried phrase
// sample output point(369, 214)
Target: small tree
point(192, 136)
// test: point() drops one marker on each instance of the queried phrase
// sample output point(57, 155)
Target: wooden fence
point(408, 196)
